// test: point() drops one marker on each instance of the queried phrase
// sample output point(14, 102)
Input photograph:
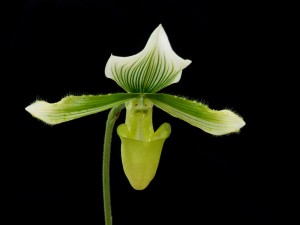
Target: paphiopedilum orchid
point(142, 76)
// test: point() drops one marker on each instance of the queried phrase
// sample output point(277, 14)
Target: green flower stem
point(111, 119)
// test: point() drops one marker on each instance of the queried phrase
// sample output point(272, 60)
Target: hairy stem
point(112, 117)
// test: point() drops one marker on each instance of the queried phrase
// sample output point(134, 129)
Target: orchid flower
point(142, 75)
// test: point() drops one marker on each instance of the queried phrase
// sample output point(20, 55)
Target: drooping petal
point(74, 107)
point(154, 68)
point(197, 114)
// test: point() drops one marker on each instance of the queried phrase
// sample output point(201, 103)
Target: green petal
point(197, 114)
point(74, 107)
point(140, 159)
point(154, 68)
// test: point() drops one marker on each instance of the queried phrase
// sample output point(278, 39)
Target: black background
point(61, 47)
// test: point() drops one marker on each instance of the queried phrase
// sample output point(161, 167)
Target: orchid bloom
point(142, 76)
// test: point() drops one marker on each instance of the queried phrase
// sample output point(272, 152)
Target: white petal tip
point(39, 110)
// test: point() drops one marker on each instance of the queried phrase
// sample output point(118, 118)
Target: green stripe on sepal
point(73, 107)
point(154, 68)
point(197, 114)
